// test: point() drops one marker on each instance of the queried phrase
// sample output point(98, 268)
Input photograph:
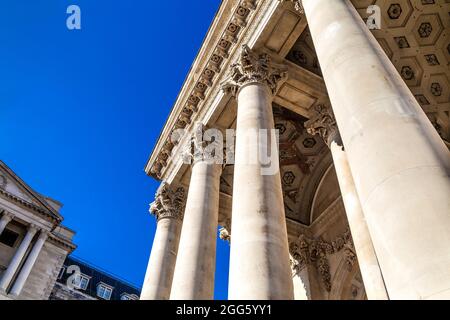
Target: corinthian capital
point(204, 145)
point(323, 124)
point(252, 67)
point(168, 203)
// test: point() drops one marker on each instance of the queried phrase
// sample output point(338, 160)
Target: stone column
point(6, 218)
point(29, 263)
point(259, 257)
point(17, 259)
point(324, 124)
point(196, 261)
point(168, 209)
point(400, 164)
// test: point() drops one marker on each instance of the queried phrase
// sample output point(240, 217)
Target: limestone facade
point(33, 242)
point(359, 208)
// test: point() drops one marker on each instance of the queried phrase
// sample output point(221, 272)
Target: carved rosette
point(254, 68)
point(169, 203)
point(305, 251)
point(323, 123)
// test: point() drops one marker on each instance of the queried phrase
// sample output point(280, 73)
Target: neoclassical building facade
point(359, 206)
point(33, 241)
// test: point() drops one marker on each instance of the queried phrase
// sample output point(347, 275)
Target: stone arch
point(347, 284)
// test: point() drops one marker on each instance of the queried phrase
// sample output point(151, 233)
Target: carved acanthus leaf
point(305, 251)
point(323, 124)
point(168, 203)
point(202, 148)
point(253, 67)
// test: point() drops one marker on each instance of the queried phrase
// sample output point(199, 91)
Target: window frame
point(12, 233)
point(106, 287)
point(128, 296)
point(78, 285)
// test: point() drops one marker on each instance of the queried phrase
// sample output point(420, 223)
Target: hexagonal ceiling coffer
point(439, 88)
point(427, 29)
point(396, 13)
point(309, 145)
point(288, 178)
point(410, 70)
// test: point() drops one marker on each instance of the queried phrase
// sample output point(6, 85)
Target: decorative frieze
point(253, 67)
point(323, 123)
point(169, 203)
point(306, 251)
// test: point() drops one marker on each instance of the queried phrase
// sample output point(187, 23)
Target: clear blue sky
point(80, 112)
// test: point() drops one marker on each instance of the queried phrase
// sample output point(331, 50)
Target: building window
point(104, 291)
point(9, 237)
point(126, 296)
point(81, 282)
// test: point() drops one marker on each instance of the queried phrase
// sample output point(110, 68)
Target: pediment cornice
point(35, 201)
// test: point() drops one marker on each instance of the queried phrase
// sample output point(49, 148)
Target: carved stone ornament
point(168, 203)
point(202, 148)
point(252, 67)
point(323, 123)
point(315, 252)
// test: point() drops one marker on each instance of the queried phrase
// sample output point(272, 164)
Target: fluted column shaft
point(168, 209)
point(196, 261)
point(323, 123)
point(259, 256)
point(6, 218)
point(17, 259)
point(400, 164)
point(29, 263)
point(161, 265)
point(367, 259)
